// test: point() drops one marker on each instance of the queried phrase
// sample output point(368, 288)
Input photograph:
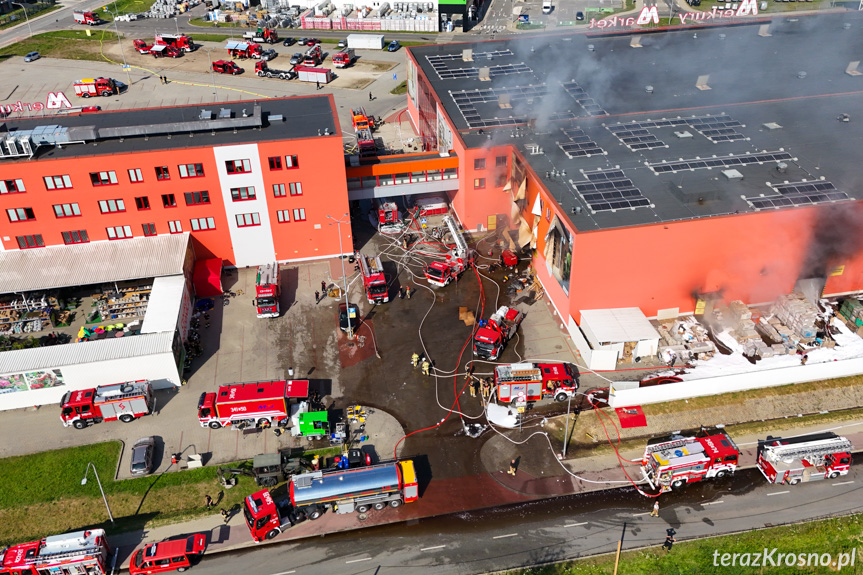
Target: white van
point(546, 7)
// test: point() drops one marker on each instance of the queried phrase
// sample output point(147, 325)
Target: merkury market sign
point(649, 15)
point(54, 101)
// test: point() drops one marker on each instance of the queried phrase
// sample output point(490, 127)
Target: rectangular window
point(20, 214)
point(103, 178)
point(119, 232)
point(142, 203)
point(500, 161)
point(111, 206)
point(175, 226)
point(191, 170)
point(478, 183)
point(243, 194)
point(197, 198)
point(57, 182)
point(479, 164)
point(417, 177)
point(12, 186)
point(275, 162)
point(169, 201)
point(300, 215)
point(246, 220)
point(75, 237)
point(238, 166)
point(450, 173)
point(135, 176)
point(296, 189)
point(162, 173)
point(279, 190)
point(402, 179)
point(199, 224)
point(34, 241)
point(66, 210)
point(291, 162)
point(149, 229)
point(284, 216)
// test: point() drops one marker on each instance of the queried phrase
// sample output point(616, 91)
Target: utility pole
point(619, 546)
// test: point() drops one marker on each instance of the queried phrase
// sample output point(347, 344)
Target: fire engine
point(373, 278)
point(165, 51)
point(124, 401)
point(243, 405)
point(441, 273)
point(262, 35)
point(492, 335)
point(389, 219)
point(344, 58)
point(141, 46)
point(78, 552)
point(533, 381)
point(225, 67)
point(89, 18)
point(313, 56)
point(805, 458)
point(178, 41)
point(243, 50)
point(669, 463)
point(344, 490)
point(96, 87)
point(268, 289)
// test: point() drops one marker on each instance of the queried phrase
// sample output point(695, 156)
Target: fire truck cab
point(805, 458)
point(268, 289)
point(179, 555)
point(493, 334)
point(670, 463)
point(441, 273)
point(243, 50)
point(78, 552)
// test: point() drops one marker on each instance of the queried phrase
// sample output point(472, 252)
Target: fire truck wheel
point(314, 513)
point(215, 425)
point(677, 484)
point(85, 95)
point(79, 424)
point(794, 481)
point(272, 533)
point(363, 508)
point(721, 473)
point(833, 475)
point(379, 505)
point(395, 503)
point(127, 418)
point(181, 569)
point(560, 397)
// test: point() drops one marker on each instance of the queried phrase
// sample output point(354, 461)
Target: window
point(279, 190)
point(275, 162)
point(149, 229)
point(296, 189)
point(238, 166)
point(246, 220)
point(284, 216)
point(162, 173)
point(12, 186)
point(199, 224)
point(135, 176)
point(169, 201)
point(20, 214)
point(500, 180)
point(243, 194)
point(66, 210)
point(175, 226)
point(103, 178)
point(291, 162)
point(300, 215)
point(500, 161)
point(111, 206)
point(75, 237)
point(191, 170)
point(418, 177)
point(197, 198)
point(450, 173)
point(478, 183)
point(142, 203)
point(119, 232)
point(34, 241)
point(479, 164)
point(57, 182)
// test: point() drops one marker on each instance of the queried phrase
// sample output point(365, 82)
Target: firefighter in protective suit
point(426, 366)
point(415, 359)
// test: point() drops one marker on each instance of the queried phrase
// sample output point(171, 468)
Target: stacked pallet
point(852, 311)
point(797, 313)
point(741, 321)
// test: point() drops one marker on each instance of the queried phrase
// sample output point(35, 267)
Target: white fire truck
point(805, 458)
point(533, 381)
point(124, 401)
point(671, 462)
point(78, 552)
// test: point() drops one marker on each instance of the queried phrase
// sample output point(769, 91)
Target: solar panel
point(799, 194)
point(466, 99)
point(609, 190)
point(588, 104)
point(723, 162)
point(579, 144)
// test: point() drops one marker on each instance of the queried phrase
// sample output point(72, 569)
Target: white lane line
point(714, 502)
point(505, 536)
point(575, 524)
point(640, 514)
point(778, 493)
point(843, 483)
point(358, 560)
point(435, 547)
point(285, 572)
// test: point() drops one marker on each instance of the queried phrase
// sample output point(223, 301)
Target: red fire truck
point(89, 18)
point(671, 462)
point(268, 289)
point(96, 87)
point(535, 381)
point(441, 273)
point(345, 490)
point(250, 404)
point(492, 335)
point(178, 41)
point(373, 278)
point(344, 58)
point(177, 554)
point(124, 401)
point(243, 50)
point(805, 458)
point(78, 552)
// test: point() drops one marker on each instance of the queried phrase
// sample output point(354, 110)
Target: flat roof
point(622, 135)
point(618, 325)
point(163, 307)
point(93, 263)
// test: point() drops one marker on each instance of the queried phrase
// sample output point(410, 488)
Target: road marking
point(358, 560)
point(285, 572)
point(640, 514)
point(505, 536)
point(843, 483)
point(714, 502)
point(575, 524)
point(430, 548)
point(778, 493)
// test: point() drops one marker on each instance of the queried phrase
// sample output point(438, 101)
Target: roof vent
point(683, 135)
point(224, 113)
point(467, 55)
point(771, 126)
point(732, 174)
point(503, 101)
point(485, 74)
point(534, 149)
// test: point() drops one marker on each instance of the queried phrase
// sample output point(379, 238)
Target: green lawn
point(400, 89)
point(70, 44)
point(7, 22)
point(123, 7)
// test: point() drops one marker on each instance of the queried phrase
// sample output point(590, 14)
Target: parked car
point(296, 59)
point(141, 462)
point(579, 15)
point(394, 45)
point(32, 56)
point(91, 109)
point(343, 43)
point(349, 313)
point(312, 41)
point(302, 41)
point(268, 55)
point(289, 42)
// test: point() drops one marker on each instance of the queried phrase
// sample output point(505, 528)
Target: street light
point(84, 482)
point(344, 277)
point(212, 74)
point(25, 17)
point(122, 51)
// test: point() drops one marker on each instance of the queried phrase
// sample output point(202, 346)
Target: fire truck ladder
point(838, 445)
point(267, 274)
point(461, 245)
point(513, 375)
point(667, 445)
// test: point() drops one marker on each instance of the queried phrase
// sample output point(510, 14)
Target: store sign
point(650, 15)
point(31, 380)
point(54, 101)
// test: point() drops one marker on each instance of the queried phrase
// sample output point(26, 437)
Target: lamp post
point(26, 18)
point(84, 482)
point(212, 74)
point(344, 277)
point(122, 50)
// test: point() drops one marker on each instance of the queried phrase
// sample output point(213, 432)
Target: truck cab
point(226, 67)
point(179, 555)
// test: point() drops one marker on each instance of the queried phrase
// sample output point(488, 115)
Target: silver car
point(142, 456)
point(32, 56)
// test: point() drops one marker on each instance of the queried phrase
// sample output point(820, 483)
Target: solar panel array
point(799, 194)
point(730, 161)
point(637, 135)
point(584, 100)
point(636, 138)
point(610, 190)
point(717, 128)
point(579, 144)
point(466, 101)
point(439, 63)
